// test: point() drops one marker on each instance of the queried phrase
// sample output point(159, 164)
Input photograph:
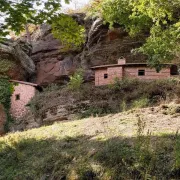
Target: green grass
point(84, 150)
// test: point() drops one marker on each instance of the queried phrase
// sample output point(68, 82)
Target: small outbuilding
point(106, 74)
point(23, 93)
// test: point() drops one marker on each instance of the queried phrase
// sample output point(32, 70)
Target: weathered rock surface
point(103, 46)
point(27, 122)
point(15, 60)
point(2, 119)
point(67, 112)
point(51, 62)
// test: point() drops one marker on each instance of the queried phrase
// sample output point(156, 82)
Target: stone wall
point(2, 119)
point(107, 75)
point(111, 73)
point(20, 98)
point(150, 74)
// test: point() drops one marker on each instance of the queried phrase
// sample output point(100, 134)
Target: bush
point(76, 81)
point(140, 103)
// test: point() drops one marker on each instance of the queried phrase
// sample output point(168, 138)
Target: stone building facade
point(23, 93)
point(107, 73)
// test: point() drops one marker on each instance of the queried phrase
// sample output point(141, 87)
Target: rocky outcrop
point(63, 112)
point(103, 46)
point(52, 63)
point(15, 60)
point(2, 119)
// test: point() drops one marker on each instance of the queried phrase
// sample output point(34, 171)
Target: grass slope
point(139, 144)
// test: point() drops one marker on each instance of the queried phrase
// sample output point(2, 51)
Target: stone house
point(106, 74)
point(23, 93)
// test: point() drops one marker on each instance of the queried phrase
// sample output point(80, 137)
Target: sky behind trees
point(75, 4)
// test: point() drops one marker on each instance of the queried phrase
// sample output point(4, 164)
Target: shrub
point(140, 103)
point(76, 81)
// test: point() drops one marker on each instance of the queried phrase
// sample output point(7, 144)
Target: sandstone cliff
point(103, 46)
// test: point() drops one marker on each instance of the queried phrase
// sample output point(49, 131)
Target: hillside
point(57, 103)
point(137, 144)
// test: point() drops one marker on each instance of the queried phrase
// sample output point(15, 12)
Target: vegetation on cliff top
point(158, 19)
point(68, 31)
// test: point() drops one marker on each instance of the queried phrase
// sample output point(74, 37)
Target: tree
point(17, 14)
point(71, 34)
point(158, 18)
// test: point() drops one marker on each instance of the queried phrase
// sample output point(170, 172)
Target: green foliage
point(76, 81)
point(177, 154)
point(162, 46)
point(6, 90)
point(5, 65)
point(141, 103)
point(19, 13)
point(160, 19)
point(68, 31)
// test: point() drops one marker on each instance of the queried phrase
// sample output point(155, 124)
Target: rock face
point(103, 46)
point(15, 60)
point(2, 119)
point(62, 112)
point(14, 71)
point(52, 63)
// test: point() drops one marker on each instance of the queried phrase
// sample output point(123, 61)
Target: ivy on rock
point(6, 90)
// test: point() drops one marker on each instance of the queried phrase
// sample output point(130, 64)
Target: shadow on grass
point(83, 157)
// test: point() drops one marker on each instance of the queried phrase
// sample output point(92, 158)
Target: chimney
point(122, 60)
